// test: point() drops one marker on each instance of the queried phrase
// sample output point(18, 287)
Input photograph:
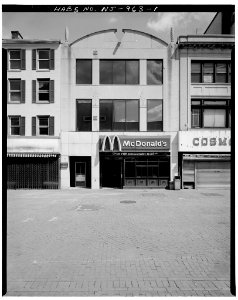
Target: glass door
point(80, 174)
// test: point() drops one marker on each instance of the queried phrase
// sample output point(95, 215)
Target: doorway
point(111, 172)
point(80, 171)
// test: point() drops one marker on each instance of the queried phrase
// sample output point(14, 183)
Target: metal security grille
point(33, 173)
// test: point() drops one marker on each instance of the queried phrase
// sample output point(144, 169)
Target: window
point(43, 125)
point(84, 115)
point(83, 71)
point(154, 72)
point(16, 91)
point(154, 115)
point(17, 59)
point(16, 125)
point(210, 114)
point(43, 59)
point(43, 91)
point(119, 115)
point(119, 71)
point(211, 72)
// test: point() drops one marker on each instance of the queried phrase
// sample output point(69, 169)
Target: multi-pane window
point(154, 115)
point(16, 88)
point(210, 114)
point(83, 71)
point(119, 71)
point(42, 125)
point(43, 91)
point(154, 72)
point(211, 72)
point(84, 115)
point(16, 125)
point(119, 115)
point(17, 59)
point(43, 59)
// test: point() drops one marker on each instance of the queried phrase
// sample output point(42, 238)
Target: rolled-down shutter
point(23, 91)
point(33, 126)
point(51, 126)
point(22, 126)
point(52, 91)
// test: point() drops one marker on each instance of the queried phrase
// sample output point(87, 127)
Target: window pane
point(196, 117)
point(221, 67)
point(15, 54)
point(43, 131)
point(44, 96)
point(15, 121)
point(44, 54)
point(196, 78)
point(141, 169)
point(119, 117)
point(154, 72)
point(229, 73)
point(105, 72)
point(84, 71)
point(130, 169)
point(214, 102)
point(15, 131)
point(84, 115)
point(15, 64)
point(221, 78)
point(132, 112)
point(132, 72)
point(43, 121)
point(106, 115)
point(15, 85)
point(153, 169)
point(196, 68)
point(208, 76)
point(196, 102)
point(44, 64)
point(154, 115)
point(214, 118)
point(44, 85)
point(119, 72)
point(15, 96)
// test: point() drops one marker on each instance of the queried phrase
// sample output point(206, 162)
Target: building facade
point(120, 109)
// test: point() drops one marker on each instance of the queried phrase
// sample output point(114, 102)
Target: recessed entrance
point(111, 173)
point(80, 171)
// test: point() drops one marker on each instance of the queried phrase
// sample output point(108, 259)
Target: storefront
point(205, 159)
point(127, 162)
point(33, 171)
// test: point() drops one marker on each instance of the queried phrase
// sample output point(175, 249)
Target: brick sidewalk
point(87, 243)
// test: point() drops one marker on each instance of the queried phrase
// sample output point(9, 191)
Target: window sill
point(42, 102)
point(16, 70)
point(43, 70)
point(14, 102)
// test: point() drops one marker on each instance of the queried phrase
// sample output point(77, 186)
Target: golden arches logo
point(111, 143)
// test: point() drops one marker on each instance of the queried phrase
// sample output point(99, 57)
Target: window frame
point(112, 126)
point(88, 101)
point(38, 59)
point(44, 126)
point(14, 91)
point(16, 126)
point(14, 59)
point(91, 70)
point(41, 92)
point(201, 106)
point(162, 75)
point(214, 74)
point(114, 61)
point(161, 101)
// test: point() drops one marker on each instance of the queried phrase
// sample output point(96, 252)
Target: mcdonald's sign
point(123, 143)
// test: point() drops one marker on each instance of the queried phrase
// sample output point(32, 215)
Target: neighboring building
point(205, 110)
point(120, 109)
point(33, 110)
point(222, 23)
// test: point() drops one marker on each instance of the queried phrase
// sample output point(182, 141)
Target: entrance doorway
point(80, 171)
point(111, 173)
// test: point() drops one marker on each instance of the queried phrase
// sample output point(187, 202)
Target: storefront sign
point(63, 165)
point(122, 143)
point(205, 141)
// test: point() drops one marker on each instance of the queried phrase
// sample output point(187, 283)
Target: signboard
point(64, 165)
point(141, 144)
point(205, 141)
